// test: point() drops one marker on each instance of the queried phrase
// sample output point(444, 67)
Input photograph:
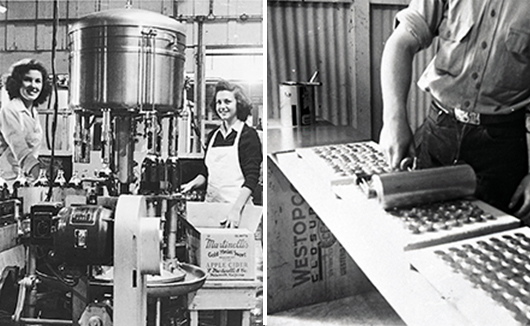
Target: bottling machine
point(112, 249)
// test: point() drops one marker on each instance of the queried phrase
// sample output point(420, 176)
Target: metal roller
point(402, 189)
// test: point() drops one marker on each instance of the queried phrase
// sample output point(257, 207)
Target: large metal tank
point(126, 59)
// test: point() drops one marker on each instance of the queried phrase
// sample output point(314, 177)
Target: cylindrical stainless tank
point(126, 59)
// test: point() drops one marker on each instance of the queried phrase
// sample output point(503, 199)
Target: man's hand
point(396, 142)
point(522, 193)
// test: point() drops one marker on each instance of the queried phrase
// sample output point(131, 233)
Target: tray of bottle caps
point(349, 161)
point(487, 278)
point(436, 223)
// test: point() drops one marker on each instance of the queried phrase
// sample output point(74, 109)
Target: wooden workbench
point(356, 225)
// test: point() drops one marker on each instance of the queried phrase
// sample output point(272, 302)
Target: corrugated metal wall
point(305, 37)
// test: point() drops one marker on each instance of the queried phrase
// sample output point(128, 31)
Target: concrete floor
point(364, 309)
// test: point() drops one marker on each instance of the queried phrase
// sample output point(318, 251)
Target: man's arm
point(396, 73)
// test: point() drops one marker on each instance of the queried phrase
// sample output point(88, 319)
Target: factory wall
point(26, 27)
point(344, 41)
point(307, 36)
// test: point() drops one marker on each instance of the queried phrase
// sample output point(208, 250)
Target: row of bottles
point(159, 177)
point(41, 181)
point(59, 181)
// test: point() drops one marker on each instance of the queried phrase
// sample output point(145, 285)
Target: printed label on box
point(227, 256)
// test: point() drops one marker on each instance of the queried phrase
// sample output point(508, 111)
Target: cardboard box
point(225, 254)
point(305, 262)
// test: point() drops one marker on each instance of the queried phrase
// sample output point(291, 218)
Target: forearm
point(396, 71)
point(197, 182)
point(234, 215)
point(396, 75)
point(242, 199)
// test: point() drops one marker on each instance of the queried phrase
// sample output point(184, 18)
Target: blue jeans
point(498, 153)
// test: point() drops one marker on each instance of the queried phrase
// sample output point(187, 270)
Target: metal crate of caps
point(491, 270)
point(350, 160)
point(500, 266)
point(441, 216)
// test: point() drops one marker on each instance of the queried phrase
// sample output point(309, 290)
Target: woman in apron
point(20, 132)
point(233, 155)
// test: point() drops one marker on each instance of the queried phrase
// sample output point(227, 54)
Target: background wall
point(26, 27)
point(344, 41)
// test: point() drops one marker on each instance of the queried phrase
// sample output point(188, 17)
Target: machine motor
point(83, 235)
point(41, 217)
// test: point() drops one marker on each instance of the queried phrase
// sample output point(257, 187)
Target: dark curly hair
point(17, 73)
point(243, 107)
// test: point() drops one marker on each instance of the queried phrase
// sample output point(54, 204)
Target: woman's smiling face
point(226, 105)
point(32, 84)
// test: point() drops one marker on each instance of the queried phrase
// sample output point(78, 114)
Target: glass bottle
point(173, 174)
point(20, 182)
point(75, 181)
point(42, 180)
point(4, 188)
point(60, 180)
point(163, 181)
point(150, 183)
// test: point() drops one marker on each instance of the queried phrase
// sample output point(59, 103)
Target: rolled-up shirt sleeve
point(202, 169)
point(422, 19)
point(13, 134)
point(250, 157)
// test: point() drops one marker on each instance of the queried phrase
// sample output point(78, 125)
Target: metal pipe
point(85, 142)
point(124, 149)
point(200, 86)
point(158, 312)
point(172, 215)
point(172, 136)
point(32, 275)
point(106, 142)
point(79, 152)
point(37, 321)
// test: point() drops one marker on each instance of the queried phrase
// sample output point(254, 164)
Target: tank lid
point(128, 17)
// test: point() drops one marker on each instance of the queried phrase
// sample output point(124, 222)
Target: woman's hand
point(187, 187)
point(234, 215)
point(233, 219)
point(195, 183)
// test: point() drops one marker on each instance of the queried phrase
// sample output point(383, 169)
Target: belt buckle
point(472, 118)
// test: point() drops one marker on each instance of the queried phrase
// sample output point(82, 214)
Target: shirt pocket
point(452, 47)
point(516, 60)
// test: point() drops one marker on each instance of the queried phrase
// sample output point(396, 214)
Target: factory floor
point(363, 309)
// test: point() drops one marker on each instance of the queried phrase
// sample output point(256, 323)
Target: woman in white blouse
point(20, 132)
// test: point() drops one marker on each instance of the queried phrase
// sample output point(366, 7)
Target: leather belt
point(475, 118)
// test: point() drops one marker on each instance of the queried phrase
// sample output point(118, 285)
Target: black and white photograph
point(264, 162)
point(397, 162)
point(131, 162)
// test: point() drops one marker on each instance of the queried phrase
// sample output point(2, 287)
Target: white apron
point(225, 177)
